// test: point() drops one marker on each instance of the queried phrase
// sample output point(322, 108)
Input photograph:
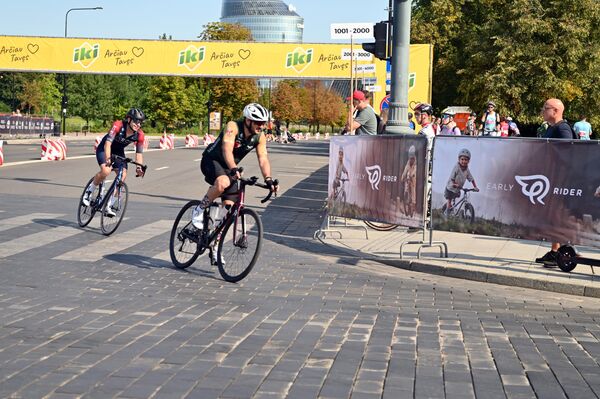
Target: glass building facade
point(268, 20)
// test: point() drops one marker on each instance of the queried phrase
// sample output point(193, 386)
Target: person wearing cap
point(471, 125)
point(365, 121)
point(449, 127)
point(490, 121)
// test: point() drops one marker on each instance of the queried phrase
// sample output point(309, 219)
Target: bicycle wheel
point(85, 213)
point(109, 223)
point(381, 226)
point(567, 258)
point(469, 214)
point(183, 244)
point(239, 245)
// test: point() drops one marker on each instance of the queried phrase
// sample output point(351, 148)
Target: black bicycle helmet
point(424, 108)
point(136, 114)
point(256, 112)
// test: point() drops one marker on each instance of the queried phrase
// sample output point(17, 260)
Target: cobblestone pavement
point(309, 322)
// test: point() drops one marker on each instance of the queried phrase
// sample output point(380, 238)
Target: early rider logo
point(535, 187)
point(374, 173)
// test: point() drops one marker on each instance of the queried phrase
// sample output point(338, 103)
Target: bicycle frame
point(457, 206)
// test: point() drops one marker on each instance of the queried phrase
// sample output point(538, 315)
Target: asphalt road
point(83, 315)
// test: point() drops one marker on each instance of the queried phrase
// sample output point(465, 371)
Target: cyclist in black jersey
point(220, 160)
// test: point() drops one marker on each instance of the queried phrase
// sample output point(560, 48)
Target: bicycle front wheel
point(239, 245)
point(85, 213)
point(381, 226)
point(183, 244)
point(111, 220)
point(469, 213)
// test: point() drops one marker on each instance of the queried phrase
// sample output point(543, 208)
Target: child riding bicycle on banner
point(122, 133)
point(460, 174)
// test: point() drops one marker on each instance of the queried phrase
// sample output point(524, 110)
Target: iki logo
point(86, 54)
point(299, 59)
point(412, 80)
point(191, 57)
point(374, 173)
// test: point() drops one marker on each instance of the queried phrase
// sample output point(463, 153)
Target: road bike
point(100, 201)
point(236, 238)
point(463, 208)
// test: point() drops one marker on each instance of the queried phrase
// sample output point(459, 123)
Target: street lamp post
point(64, 96)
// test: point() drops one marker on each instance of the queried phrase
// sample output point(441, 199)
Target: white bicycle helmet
point(256, 112)
point(464, 153)
point(412, 151)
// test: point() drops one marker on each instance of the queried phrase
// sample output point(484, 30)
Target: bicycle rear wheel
point(381, 226)
point(85, 214)
point(110, 223)
point(239, 245)
point(183, 244)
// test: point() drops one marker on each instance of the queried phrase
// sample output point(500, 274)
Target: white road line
point(37, 240)
point(10, 223)
point(117, 243)
point(162, 167)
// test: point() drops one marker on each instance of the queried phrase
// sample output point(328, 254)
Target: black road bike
point(237, 238)
point(100, 202)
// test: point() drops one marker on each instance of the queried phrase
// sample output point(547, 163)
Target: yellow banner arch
point(211, 59)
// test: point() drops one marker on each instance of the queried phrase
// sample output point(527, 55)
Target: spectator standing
point(513, 129)
point(424, 115)
point(490, 121)
point(471, 129)
point(411, 123)
point(582, 128)
point(558, 128)
point(365, 121)
point(449, 127)
point(503, 127)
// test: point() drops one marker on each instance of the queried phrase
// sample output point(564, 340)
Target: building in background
point(268, 20)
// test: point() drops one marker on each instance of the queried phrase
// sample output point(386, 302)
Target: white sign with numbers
point(359, 30)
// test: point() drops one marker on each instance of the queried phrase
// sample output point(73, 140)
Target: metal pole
point(398, 118)
point(64, 98)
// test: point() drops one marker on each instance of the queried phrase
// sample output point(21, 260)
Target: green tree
point(90, 97)
point(168, 100)
point(40, 94)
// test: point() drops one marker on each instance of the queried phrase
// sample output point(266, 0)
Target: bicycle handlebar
point(466, 190)
point(253, 181)
point(129, 160)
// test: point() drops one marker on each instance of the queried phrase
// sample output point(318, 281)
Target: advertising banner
point(378, 178)
point(204, 59)
point(13, 124)
point(528, 188)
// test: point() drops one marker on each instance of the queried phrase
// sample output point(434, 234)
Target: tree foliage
point(286, 103)
point(516, 52)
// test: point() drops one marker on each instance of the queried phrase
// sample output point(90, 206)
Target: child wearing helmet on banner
point(460, 174)
point(409, 179)
point(340, 168)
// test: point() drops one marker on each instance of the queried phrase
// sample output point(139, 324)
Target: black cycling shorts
point(211, 169)
point(101, 157)
point(450, 195)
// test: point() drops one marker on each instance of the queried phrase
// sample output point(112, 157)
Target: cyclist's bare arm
point(107, 147)
point(231, 132)
point(263, 158)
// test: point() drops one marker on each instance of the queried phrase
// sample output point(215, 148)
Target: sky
point(182, 19)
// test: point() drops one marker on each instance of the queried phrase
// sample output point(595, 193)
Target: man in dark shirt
point(558, 128)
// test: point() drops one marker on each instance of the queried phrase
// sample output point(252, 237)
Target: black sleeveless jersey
point(241, 147)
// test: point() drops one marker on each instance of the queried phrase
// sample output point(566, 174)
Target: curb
point(421, 266)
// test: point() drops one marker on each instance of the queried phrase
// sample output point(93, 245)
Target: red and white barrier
point(191, 140)
point(326, 136)
point(146, 142)
point(53, 150)
point(97, 142)
point(208, 139)
point(167, 142)
point(1, 153)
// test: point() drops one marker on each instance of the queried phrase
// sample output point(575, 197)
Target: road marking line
point(117, 243)
point(37, 240)
point(162, 167)
point(10, 223)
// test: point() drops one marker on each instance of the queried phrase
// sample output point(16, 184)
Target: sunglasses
point(445, 116)
point(417, 114)
point(137, 121)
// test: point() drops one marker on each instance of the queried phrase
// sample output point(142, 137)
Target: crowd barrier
point(167, 142)
point(97, 142)
point(53, 150)
point(208, 139)
point(191, 140)
point(526, 188)
point(1, 153)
